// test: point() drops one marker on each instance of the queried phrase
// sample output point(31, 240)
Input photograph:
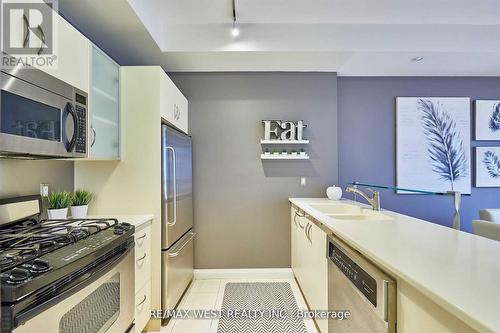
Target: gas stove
point(40, 259)
point(30, 239)
point(33, 254)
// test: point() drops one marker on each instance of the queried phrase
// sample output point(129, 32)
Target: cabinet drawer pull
point(142, 302)
point(40, 31)
point(177, 112)
point(139, 239)
point(295, 218)
point(306, 231)
point(27, 29)
point(143, 257)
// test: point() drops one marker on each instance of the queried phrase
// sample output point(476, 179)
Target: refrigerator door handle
point(174, 221)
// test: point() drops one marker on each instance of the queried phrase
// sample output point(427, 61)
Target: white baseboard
point(244, 273)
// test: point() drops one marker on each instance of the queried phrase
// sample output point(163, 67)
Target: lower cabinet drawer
point(142, 307)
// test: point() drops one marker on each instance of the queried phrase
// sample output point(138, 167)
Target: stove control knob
point(119, 231)
point(40, 266)
point(126, 226)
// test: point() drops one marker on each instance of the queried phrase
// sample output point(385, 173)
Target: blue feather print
point(495, 119)
point(492, 164)
point(445, 146)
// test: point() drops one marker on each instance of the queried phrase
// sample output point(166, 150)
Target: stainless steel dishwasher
point(357, 286)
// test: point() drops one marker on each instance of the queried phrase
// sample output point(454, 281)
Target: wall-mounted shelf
point(283, 157)
point(284, 142)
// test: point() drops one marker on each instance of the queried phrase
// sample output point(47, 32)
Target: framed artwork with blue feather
point(487, 120)
point(487, 166)
point(433, 144)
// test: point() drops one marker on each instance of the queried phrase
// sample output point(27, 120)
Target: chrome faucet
point(374, 200)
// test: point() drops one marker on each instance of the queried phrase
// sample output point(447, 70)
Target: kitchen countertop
point(134, 219)
point(457, 270)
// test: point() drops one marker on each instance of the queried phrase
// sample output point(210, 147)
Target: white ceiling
point(325, 11)
point(351, 37)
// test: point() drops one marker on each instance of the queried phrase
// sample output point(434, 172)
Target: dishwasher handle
point(389, 301)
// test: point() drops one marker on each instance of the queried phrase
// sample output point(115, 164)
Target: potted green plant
point(58, 205)
point(80, 204)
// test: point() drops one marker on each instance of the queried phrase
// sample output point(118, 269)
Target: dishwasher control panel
point(365, 283)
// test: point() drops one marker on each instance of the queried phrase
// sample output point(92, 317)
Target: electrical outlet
point(44, 190)
point(302, 181)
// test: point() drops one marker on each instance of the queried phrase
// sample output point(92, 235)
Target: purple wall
point(367, 139)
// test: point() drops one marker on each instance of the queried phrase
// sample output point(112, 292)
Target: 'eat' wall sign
point(283, 130)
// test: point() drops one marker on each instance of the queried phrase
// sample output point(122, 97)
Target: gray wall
point(367, 139)
point(242, 215)
point(23, 177)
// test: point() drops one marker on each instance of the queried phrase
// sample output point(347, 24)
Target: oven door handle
point(49, 297)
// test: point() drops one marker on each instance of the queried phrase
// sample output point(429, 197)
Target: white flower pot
point(79, 212)
point(334, 193)
point(57, 214)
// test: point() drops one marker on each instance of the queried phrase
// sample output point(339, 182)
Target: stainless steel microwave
point(41, 116)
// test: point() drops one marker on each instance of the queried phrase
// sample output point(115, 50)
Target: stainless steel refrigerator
point(177, 215)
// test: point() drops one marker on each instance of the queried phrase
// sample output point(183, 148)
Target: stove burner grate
point(28, 240)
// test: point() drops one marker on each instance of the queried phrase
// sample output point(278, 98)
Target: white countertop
point(457, 270)
point(134, 219)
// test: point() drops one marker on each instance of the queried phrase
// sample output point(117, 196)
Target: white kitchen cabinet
point(309, 263)
point(173, 104)
point(142, 276)
point(104, 110)
point(70, 47)
point(72, 56)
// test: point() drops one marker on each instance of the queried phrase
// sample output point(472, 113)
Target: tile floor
point(208, 294)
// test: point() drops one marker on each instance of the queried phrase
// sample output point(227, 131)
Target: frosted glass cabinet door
point(104, 132)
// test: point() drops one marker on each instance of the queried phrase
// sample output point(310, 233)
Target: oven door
point(35, 121)
point(104, 305)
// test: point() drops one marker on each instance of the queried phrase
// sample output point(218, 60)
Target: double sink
point(343, 211)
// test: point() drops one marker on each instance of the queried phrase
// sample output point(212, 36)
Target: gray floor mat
point(252, 297)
